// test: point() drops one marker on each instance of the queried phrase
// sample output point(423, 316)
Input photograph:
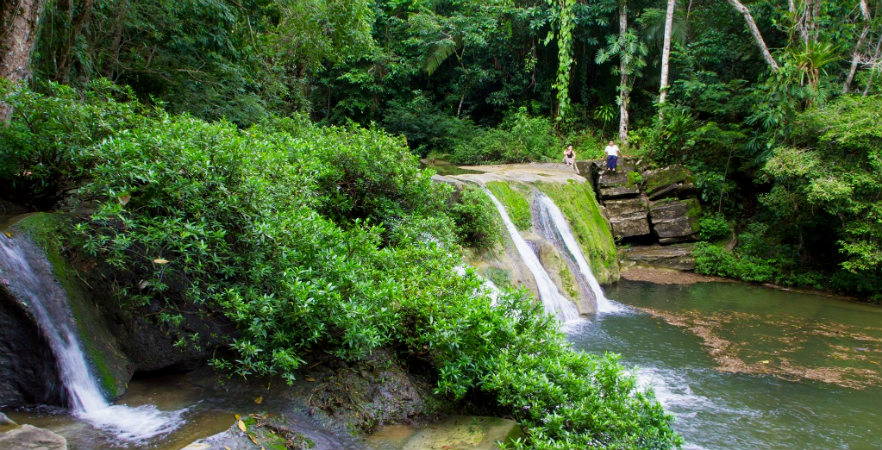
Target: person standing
point(612, 156)
point(569, 156)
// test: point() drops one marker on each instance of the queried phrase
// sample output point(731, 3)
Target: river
point(742, 366)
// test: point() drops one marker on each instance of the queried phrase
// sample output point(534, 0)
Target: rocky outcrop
point(28, 437)
point(676, 256)
point(648, 205)
point(27, 367)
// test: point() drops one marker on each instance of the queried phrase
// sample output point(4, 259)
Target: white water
point(553, 301)
point(604, 305)
point(30, 279)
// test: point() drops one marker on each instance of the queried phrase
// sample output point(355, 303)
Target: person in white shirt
point(612, 156)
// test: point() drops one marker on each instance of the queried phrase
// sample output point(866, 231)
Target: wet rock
point(373, 392)
point(671, 181)
point(677, 219)
point(628, 217)
point(28, 437)
point(28, 374)
point(456, 432)
point(677, 256)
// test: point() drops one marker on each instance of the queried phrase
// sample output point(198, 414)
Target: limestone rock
point(671, 181)
point(678, 256)
point(674, 219)
point(28, 437)
point(628, 217)
point(456, 432)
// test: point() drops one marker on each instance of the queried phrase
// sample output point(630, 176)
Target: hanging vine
point(566, 21)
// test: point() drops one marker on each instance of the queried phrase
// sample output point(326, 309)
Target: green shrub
point(520, 138)
point(41, 149)
point(476, 219)
point(713, 226)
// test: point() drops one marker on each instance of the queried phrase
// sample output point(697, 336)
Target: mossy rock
point(579, 205)
point(515, 197)
point(109, 365)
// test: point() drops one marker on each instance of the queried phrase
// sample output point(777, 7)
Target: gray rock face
point(28, 437)
point(27, 367)
point(677, 256)
point(674, 218)
point(628, 217)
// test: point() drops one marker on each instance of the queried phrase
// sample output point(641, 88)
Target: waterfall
point(565, 235)
point(553, 301)
point(29, 277)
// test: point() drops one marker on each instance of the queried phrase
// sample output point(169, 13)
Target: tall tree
point(666, 52)
point(856, 55)
point(754, 30)
point(18, 19)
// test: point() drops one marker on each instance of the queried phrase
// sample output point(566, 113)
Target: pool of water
point(742, 366)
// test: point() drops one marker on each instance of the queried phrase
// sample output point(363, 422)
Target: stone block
point(674, 218)
point(671, 181)
point(678, 256)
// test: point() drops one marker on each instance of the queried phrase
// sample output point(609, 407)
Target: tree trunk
point(666, 53)
point(18, 19)
point(624, 89)
point(856, 56)
point(874, 65)
point(757, 36)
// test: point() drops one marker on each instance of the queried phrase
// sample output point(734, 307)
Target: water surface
point(740, 366)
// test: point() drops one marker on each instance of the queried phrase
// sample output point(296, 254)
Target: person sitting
point(569, 156)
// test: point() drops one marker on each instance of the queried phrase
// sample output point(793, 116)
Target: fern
point(439, 51)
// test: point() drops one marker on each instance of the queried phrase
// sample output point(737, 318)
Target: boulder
point(678, 256)
point(674, 220)
point(628, 217)
point(456, 432)
point(28, 437)
point(671, 181)
point(617, 184)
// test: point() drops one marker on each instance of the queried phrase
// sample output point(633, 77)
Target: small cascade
point(555, 303)
point(562, 233)
point(29, 277)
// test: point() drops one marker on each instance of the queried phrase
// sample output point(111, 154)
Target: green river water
point(748, 367)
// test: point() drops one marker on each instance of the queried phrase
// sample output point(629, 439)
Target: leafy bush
point(477, 223)
point(520, 138)
point(713, 226)
point(40, 149)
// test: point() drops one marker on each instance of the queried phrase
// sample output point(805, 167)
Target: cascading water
point(553, 301)
point(29, 277)
point(561, 229)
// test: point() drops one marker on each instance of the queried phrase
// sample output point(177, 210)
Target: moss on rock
point(110, 366)
point(514, 197)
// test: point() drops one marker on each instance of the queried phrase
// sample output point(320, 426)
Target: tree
point(757, 36)
point(666, 52)
point(18, 19)
point(632, 58)
point(856, 55)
